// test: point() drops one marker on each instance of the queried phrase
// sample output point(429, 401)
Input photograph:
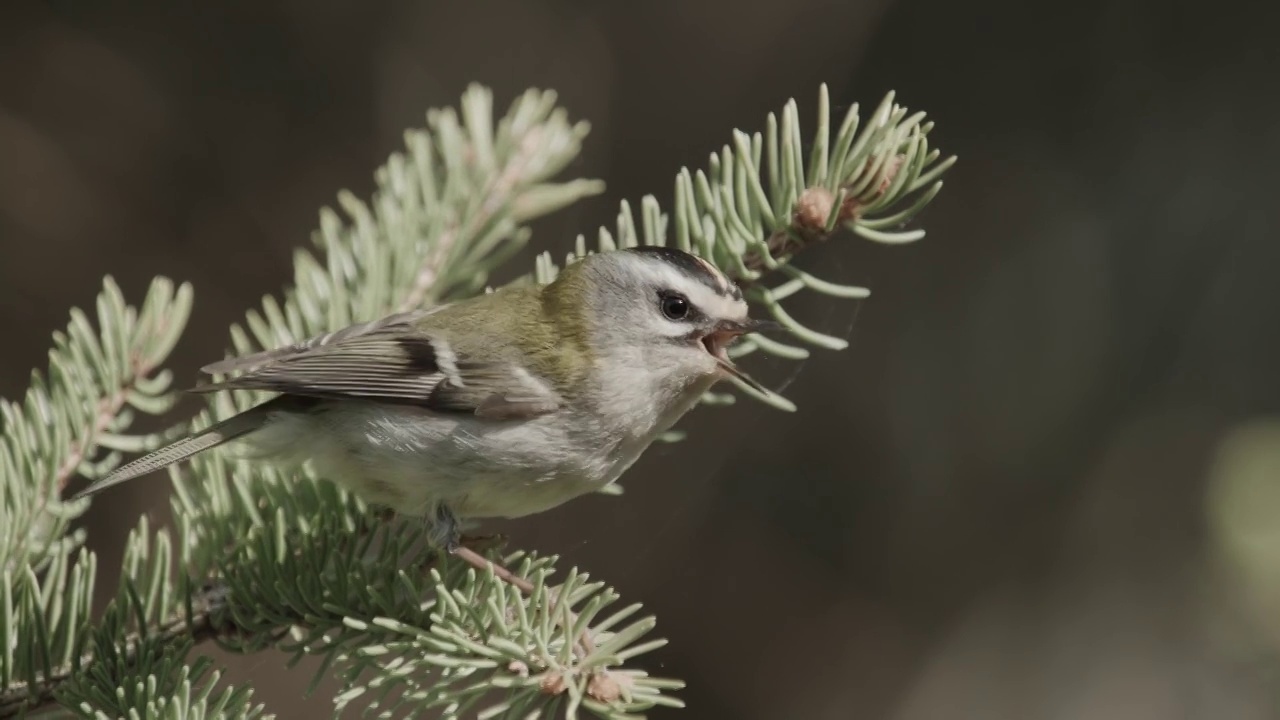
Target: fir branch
point(146, 673)
point(196, 627)
point(886, 163)
point(51, 614)
point(85, 403)
point(79, 408)
point(756, 207)
point(486, 636)
point(500, 193)
point(305, 567)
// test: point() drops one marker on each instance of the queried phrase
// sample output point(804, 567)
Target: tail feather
point(223, 432)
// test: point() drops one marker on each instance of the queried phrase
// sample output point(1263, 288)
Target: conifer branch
point(197, 627)
point(757, 205)
point(80, 407)
point(97, 379)
point(302, 565)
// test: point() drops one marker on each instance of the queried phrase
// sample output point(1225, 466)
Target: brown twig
point(106, 411)
point(83, 446)
point(481, 563)
point(497, 194)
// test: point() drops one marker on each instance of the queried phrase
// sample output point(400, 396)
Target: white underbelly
point(412, 462)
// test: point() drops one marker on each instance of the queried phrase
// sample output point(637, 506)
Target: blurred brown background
point(1044, 482)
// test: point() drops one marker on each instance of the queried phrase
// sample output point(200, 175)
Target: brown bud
point(812, 209)
point(890, 172)
point(851, 208)
point(553, 683)
point(604, 687)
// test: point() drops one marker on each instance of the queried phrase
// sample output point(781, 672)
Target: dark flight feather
point(211, 437)
point(390, 360)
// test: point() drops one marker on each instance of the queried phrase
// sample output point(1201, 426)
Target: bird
point(501, 405)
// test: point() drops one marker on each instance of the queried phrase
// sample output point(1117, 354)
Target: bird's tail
point(215, 435)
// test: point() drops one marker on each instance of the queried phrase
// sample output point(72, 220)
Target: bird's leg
point(483, 542)
point(444, 533)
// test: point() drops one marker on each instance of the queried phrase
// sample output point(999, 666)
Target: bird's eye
point(675, 307)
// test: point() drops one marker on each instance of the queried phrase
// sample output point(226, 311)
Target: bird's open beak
point(725, 332)
point(741, 327)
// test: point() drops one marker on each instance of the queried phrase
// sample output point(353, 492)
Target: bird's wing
point(393, 360)
point(399, 321)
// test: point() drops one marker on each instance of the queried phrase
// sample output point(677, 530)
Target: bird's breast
point(413, 460)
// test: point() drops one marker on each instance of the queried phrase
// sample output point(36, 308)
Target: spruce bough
point(256, 559)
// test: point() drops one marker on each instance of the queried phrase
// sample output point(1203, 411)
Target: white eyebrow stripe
point(715, 272)
point(709, 301)
point(713, 303)
point(726, 285)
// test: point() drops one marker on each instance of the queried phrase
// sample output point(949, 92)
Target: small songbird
point(502, 405)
